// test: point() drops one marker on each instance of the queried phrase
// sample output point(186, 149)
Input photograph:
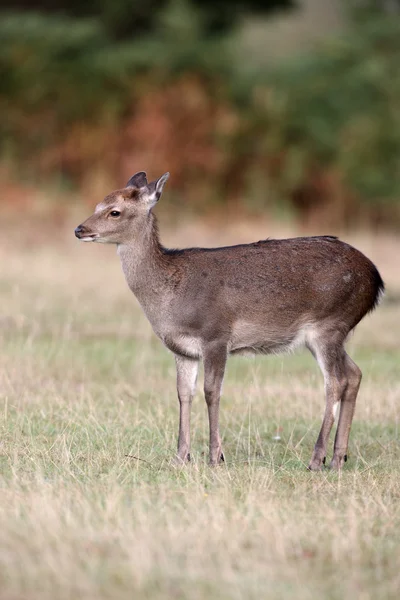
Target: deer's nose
point(80, 230)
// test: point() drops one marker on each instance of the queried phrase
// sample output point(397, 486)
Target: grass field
point(90, 505)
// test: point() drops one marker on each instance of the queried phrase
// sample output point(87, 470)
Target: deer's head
point(123, 212)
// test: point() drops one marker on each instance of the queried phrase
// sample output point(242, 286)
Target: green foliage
point(133, 18)
point(339, 107)
point(76, 68)
point(335, 109)
point(51, 61)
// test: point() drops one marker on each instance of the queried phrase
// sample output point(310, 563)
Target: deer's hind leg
point(329, 352)
point(347, 407)
point(215, 356)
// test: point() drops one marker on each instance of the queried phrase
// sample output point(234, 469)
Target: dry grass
point(83, 383)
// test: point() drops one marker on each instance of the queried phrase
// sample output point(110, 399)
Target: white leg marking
point(334, 409)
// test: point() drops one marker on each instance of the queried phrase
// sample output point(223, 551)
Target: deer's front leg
point(214, 368)
point(186, 370)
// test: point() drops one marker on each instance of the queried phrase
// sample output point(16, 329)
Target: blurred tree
point(323, 125)
point(385, 6)
point(128, 18)
point(338, 108)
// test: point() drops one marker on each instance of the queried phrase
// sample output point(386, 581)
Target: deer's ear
point(138, 180)
point(155, 188)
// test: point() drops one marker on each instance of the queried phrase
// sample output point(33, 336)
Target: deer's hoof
point(179, 461)
point(337, 462)
point(219, 461)
point(316, 464)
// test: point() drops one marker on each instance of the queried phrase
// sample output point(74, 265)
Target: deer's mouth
point(84, 235)
point(89, 238)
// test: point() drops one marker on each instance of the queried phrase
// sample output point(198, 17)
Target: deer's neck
point(144, 264)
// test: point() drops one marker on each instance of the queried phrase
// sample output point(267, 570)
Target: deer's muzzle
point(83, 234)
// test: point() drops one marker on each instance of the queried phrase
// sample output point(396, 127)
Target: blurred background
point(285, 109)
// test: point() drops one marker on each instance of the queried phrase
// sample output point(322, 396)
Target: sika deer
point(266, 297)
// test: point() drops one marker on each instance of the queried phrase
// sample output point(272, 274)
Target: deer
point(266, 297)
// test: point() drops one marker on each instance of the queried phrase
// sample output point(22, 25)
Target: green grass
point(91, 506)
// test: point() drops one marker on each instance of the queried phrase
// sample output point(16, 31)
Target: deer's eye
point(115, 213)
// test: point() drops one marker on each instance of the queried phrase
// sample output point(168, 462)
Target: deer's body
point(267, 297)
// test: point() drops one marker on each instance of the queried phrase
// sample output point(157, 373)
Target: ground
point(91, 506)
